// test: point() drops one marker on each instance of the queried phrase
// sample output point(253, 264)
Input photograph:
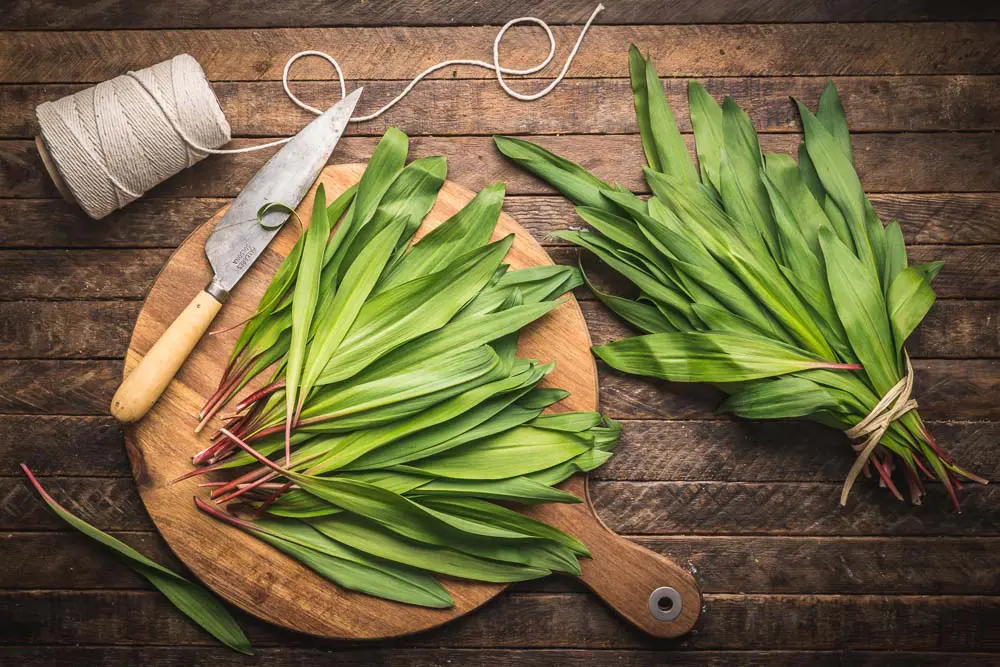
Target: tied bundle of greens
point(397, 414)
point(774, 280)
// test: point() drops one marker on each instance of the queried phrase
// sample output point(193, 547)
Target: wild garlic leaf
point(471, 227)
point(841, 183)
point(895, 253)
point(909, 299)
point(862, 310)
point(369, 537)
point(706, 357)
point(306, 296)
point(706, 119)
point(574, 182)
point(831, 114)
point(351, 295)
point(785, 397)
point(672, 153)
point(196, 602)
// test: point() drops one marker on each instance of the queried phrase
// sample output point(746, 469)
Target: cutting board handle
point(150, 378)
point(647, 589)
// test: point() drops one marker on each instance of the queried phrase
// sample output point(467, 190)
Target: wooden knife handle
point(150, 378)
point(647, 589)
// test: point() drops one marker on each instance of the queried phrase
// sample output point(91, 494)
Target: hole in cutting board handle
point(665, 603)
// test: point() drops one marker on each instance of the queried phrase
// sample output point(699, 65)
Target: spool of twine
point(107, 145)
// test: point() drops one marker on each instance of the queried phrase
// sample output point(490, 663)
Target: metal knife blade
point(239, 238)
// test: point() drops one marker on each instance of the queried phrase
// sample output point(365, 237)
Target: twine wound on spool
point(105, 146)
point(111, 143)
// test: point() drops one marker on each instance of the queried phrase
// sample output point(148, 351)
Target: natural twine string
point(894, 404)
point(116, 140)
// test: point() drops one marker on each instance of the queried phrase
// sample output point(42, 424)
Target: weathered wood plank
point(253, 13)
point(127, 656)
point(63, 387)
point(151, 222)
point(639, 508)
point(163, 222)
point(67, 274)
point(69, 560)
point(101, 329)
point(969, 271)
point(776, 565)
point(651, 450)
point(64, 445)
point(780, 49)
point(67, 329)
point(932, 162)
point(769, 451)
point(108, 503)
point(593, 106)
point(946, 389)
point(921, 623)
point(844, 565)
point(808, 508)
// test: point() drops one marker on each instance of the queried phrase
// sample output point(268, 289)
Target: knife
point(237, 241)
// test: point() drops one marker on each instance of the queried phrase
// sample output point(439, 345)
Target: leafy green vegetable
point(196, 602)
point(397, 397)
point(774, 280)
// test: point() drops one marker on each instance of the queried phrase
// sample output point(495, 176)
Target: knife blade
point(239, 237)
point(237, 241)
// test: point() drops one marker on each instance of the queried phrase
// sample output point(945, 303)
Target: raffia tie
point(867, 433)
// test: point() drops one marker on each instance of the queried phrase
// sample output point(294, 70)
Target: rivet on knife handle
point(150, 378)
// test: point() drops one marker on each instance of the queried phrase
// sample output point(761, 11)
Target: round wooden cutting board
point(257, 578)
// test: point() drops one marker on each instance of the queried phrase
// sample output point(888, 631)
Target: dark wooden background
point(789, 577)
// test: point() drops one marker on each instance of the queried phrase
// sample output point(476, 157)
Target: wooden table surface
point(789, 576)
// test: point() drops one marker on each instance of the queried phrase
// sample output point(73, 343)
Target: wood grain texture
point(894, 163)
point(121, 656)
point(754, 564)
point(870, 622)
point(260, 580)
point(874, 104)
point(254, 13)
point(779, 49)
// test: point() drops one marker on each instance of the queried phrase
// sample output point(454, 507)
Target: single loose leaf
point(196, 602)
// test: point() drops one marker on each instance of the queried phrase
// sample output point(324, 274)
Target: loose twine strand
point(116, 140)
point(894, 404)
